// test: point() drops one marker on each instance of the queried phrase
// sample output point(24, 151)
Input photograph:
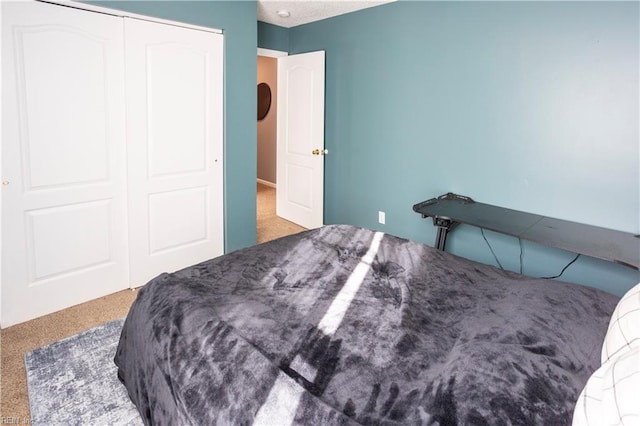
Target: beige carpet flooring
point(22, 338)
point(30, 335)
point(271, 226)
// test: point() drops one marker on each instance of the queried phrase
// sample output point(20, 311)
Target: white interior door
point(174, 134)
point(300, 152)
point(64, 223)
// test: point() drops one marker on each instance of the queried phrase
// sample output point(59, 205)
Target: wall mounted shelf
point(450, 209)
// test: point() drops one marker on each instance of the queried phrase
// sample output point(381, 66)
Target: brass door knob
point(320, 151)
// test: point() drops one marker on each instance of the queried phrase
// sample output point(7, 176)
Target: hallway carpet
point(271, 226)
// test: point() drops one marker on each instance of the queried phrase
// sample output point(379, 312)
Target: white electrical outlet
point(381, 217)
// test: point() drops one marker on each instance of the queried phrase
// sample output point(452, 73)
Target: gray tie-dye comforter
point(308, 330)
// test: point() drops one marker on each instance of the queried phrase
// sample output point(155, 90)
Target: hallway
point(271, 226)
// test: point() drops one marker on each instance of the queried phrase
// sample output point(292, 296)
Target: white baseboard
point(267, 183)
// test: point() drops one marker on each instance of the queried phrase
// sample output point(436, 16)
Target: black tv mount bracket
point(443, 223)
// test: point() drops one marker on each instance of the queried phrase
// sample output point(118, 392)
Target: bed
point(344, 325)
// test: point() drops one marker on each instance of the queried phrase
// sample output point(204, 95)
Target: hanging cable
point(522, 257)
point(521, 254)
point(563, 269)
point(490, 248)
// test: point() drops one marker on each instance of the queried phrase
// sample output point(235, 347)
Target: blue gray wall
point(273, 37)
point(237, 19)
point(527, 105)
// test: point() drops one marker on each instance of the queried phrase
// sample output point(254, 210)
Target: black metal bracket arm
point(443, 223)
point(450, 209)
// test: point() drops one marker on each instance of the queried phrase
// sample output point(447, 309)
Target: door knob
point(320, 151)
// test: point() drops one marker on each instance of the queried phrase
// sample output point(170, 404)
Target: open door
point(300, 152)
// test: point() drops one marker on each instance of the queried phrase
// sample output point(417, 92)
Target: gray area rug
point(74, 381)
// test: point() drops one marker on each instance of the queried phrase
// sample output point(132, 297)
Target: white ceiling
point(305, 11)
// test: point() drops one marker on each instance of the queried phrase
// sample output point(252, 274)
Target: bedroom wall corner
point(273, 37)
point(237, 20)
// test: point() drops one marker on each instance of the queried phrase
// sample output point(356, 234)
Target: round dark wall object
point(264, 100)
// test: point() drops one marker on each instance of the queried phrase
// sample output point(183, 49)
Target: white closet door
point(64, 228)
point(174, 137)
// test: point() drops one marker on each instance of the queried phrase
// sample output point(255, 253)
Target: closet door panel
point(177, 110)
point(64, 215)
point(174, 133)
point(66, 54)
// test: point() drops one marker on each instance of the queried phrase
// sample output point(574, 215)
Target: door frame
point(270, 53)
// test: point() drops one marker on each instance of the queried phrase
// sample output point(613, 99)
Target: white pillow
point(624, 328)
point(612, 394)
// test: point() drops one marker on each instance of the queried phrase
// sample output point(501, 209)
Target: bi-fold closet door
point(174, 138)
point(111, 154)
